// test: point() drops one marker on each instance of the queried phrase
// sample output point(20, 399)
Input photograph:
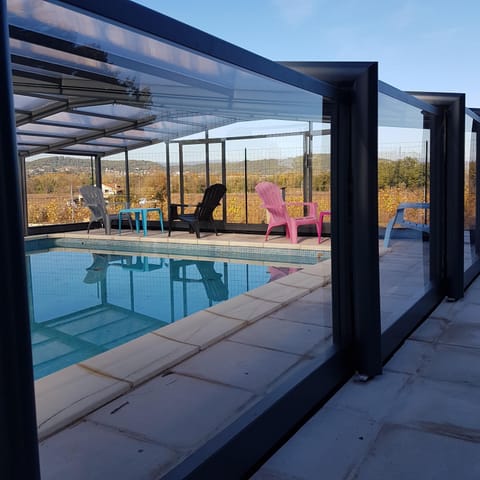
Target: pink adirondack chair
point(271, 196)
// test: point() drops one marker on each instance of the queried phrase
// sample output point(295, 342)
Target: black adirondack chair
point(203, 213)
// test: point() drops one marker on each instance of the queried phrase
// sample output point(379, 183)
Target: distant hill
point(68, 164)
point(55, 164)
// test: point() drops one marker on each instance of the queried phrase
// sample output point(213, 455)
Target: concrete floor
point(420, 419)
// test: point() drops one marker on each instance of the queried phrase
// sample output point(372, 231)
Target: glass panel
point(321, 166)
point(98, 68)
point(187, 93)
point(114, 185)
point(215, 174)
point(470, 191)
point(404, 196)
point(194, 173)
point(267, 150)
point(52, 185)
point(148, 184)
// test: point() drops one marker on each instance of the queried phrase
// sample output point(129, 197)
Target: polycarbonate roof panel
point(116, 110)
point(36, 140)
point(22, 102)
point(77, 120)
point(83, 149)
point(137, 134)
point(42, 129)
point(112, 142)
point(73, 69)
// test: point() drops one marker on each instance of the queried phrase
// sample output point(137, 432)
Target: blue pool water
point(84, 303)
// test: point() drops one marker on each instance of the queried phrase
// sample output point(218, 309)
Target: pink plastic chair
point(271, 196)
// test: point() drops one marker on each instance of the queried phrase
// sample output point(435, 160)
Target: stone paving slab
point(235, 364)
point(374, 398)
point(401, 453)
point(339, 439)
point(281, 293)
point(430, 330)
point(70, 394)
point(95, 452)
point(439, 407)
point(140, 359)
point(411, 358)
point(282, 335)
point(462, 334)
point(454, 365)
point(306, 312)
point(245, 308)
point(174, 411)
point(202, 329)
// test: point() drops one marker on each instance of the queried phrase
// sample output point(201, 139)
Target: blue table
point(140, 214)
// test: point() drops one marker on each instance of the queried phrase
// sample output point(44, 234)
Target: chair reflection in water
point(97, 271)
point(212, 281)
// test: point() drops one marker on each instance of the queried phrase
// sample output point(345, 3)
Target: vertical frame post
point(207, 160)
point(455, 176)
point(167, 173)
point(364, 221)
point(180, 169)
point(127, 178)
point(23, 192)
point(342, 306)
point(18, 426)
point(224, 179)
point(98, 171)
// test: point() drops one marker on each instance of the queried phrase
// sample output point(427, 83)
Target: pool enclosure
point(153, 111)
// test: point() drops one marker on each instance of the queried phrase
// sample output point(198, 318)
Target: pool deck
point(420, 419)
point(225, 354)
point(137, 411)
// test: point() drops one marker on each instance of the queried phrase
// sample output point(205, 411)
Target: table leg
point(160, 216)
point(144, 222)
point(137, 222)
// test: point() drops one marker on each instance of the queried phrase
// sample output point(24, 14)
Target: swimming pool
point(83, 302)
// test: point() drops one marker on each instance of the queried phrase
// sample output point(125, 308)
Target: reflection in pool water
point(83, 304)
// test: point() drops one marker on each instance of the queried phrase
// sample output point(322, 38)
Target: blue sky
point(425, 45)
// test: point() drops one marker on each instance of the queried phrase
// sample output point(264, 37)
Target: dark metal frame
point(18, 426)
point(359, 345)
